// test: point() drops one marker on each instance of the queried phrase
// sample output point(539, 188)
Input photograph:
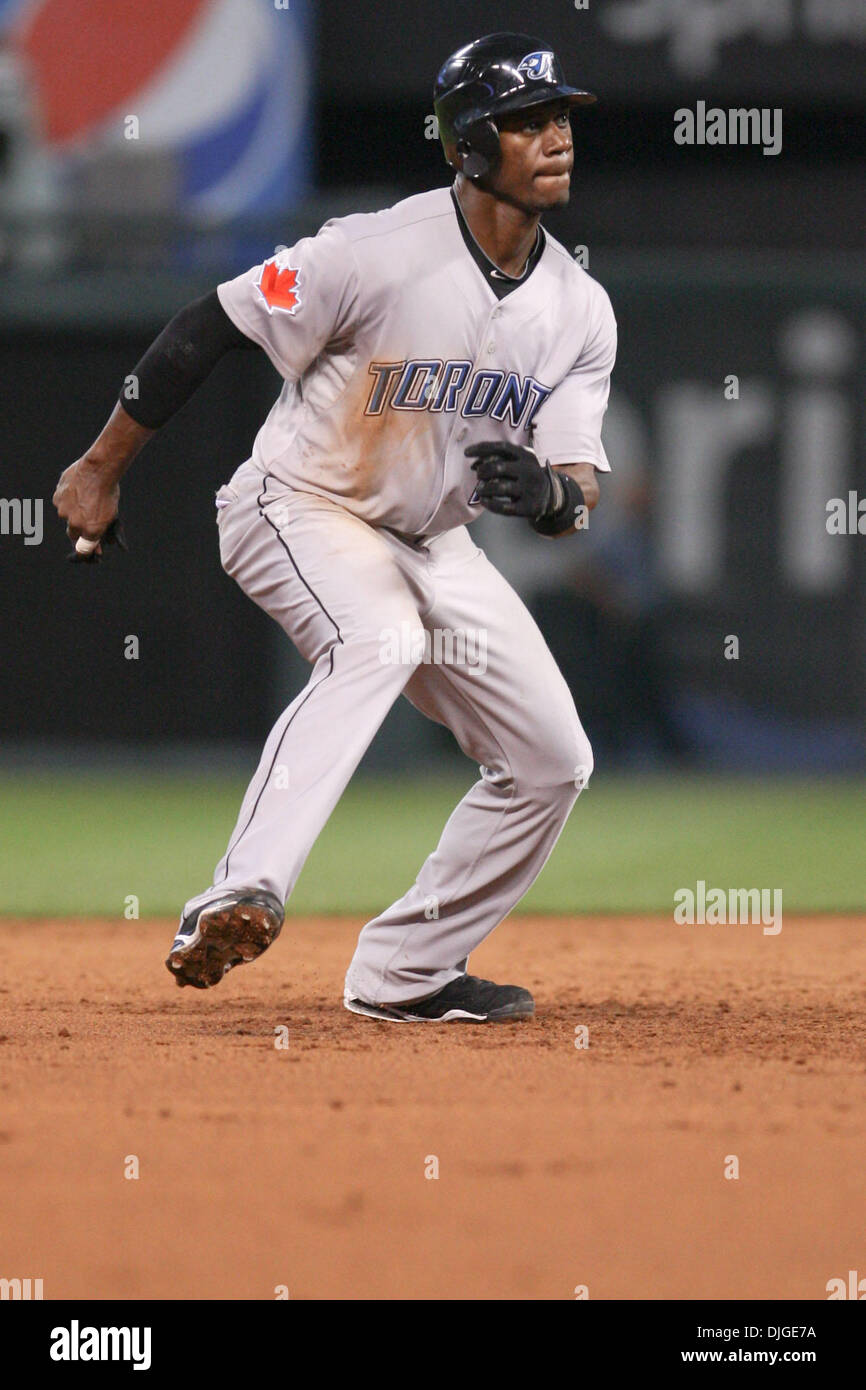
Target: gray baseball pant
point(372, 612)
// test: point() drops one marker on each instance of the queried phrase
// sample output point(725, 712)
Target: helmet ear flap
point(479, 148)
point(474, 165)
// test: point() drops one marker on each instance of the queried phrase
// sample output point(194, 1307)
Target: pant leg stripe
point(336, 627)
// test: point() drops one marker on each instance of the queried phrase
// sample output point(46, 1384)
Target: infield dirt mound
point(305, 1166)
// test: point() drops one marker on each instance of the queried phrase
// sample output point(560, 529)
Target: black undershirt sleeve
point(179, 360)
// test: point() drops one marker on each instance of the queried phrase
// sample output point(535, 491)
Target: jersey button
point(491, 347)
point(461, 434)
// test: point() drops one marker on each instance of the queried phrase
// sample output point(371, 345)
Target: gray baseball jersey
point(396, 356)
point(400, 344)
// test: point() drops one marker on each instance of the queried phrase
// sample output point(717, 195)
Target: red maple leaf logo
point(278, 288)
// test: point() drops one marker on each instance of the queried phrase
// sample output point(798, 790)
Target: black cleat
point(225, 933)
point(467, 1000)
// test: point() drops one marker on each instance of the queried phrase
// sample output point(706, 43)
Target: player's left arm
point(512, 481)
point(586, 477)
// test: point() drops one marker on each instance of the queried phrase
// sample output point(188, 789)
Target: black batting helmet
point(489, 78)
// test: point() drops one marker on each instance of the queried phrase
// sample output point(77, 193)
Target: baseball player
point(438, 358)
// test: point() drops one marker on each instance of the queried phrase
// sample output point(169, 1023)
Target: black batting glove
point(511, 481)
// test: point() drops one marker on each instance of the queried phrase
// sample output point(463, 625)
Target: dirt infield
point(558, 1166)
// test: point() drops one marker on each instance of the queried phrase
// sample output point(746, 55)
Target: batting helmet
point(492, 77)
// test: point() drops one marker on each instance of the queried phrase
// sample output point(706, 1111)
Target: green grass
point(73, 847)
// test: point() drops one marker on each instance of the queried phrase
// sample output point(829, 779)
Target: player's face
point(537, 158)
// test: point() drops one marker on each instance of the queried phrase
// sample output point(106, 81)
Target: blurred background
point(710, 623)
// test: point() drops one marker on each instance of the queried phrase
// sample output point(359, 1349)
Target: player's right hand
point(87, 501)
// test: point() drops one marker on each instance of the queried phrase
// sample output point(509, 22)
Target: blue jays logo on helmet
point(538, 65)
